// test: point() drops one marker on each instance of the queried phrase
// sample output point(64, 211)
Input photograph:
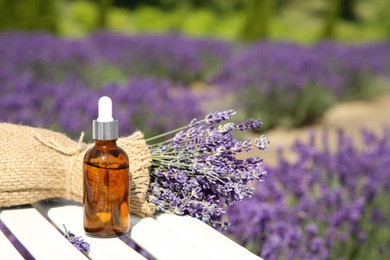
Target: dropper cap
point(105, 127)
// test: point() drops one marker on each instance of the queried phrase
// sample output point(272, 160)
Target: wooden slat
point(7, 250)
point(161, 242)
point(165, 236)
point(152, 236)
point(37, 235)
point(72, 217)
point(204, 237)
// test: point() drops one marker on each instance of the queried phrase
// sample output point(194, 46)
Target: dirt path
point(352, 116)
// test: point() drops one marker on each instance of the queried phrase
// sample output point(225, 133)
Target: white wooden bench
point(166, 236)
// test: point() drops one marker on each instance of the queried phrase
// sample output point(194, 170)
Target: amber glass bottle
point(106, 180)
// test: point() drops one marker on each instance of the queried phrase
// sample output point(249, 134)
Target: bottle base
point(105, 233)
point(95, 235)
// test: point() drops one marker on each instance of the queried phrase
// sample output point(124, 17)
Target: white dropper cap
point(105, 127)
point(105, 110)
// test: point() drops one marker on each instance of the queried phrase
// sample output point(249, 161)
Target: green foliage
point(98, 75)
point(270, 109)
point(198, 22)
point(375, 235)
point(310, 104)
point(365, 86)
point(29, 15)
point(289, 20)
point(348, 10)
point(284, 109)
point(103, 11)
point(152, 20)
point(331, 19)
point(78, 18)
point(218, 6)
point(257, 20)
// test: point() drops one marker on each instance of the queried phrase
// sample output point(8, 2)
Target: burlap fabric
point(38, 164)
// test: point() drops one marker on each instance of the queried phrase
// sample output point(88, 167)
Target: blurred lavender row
point(282, 66)
point(112, 57)
point(326, 205)
point(151, 105)
point(293, 85)
point(50, 81)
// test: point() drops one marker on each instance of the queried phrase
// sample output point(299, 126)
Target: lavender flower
point(249, 125)
point(295, 84)
point(262, 143)
point(196, 171)
point(77, 241)
point(324, 205)
point(217, 117)
point(147, 55)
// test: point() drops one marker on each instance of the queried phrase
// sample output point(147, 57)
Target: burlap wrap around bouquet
point(38, 164)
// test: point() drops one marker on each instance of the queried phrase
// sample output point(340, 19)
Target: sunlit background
point(316, 73)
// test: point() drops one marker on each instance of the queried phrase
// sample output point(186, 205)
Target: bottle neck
point(105, 142)
point(105, 130)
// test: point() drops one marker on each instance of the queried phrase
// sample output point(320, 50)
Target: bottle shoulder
point(107, 157)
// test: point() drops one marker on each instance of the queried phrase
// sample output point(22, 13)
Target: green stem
point(164, 162)
point(66, 232)
point(185, 166)
point(170, 139)
point(167, 133)
point(171, 132)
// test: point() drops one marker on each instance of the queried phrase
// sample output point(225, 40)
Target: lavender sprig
point(77, 241)
point(262, 143)
point(196, 171)
point(217, 117)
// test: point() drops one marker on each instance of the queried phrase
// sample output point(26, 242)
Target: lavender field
point(283, 83)
point(324, 205)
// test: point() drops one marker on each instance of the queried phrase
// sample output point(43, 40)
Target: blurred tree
point(129, 4)
point(331, 19)
point(347, 10)
point(103, 9)
point(220, 6)
point(215, 5)
point(257, 20)
point(29, 15)
point(278, 5)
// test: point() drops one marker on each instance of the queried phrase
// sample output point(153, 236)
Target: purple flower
point(77, 241)
point(312, 229)
point(217, 117)
point(249, 125)
point(335, 202)
point(196, 171)
point(287, 81)
point(262, 143)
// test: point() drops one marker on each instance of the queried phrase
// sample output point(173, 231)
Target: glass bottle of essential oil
point(106, 179)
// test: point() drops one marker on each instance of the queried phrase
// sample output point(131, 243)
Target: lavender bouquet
point(195, 170)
